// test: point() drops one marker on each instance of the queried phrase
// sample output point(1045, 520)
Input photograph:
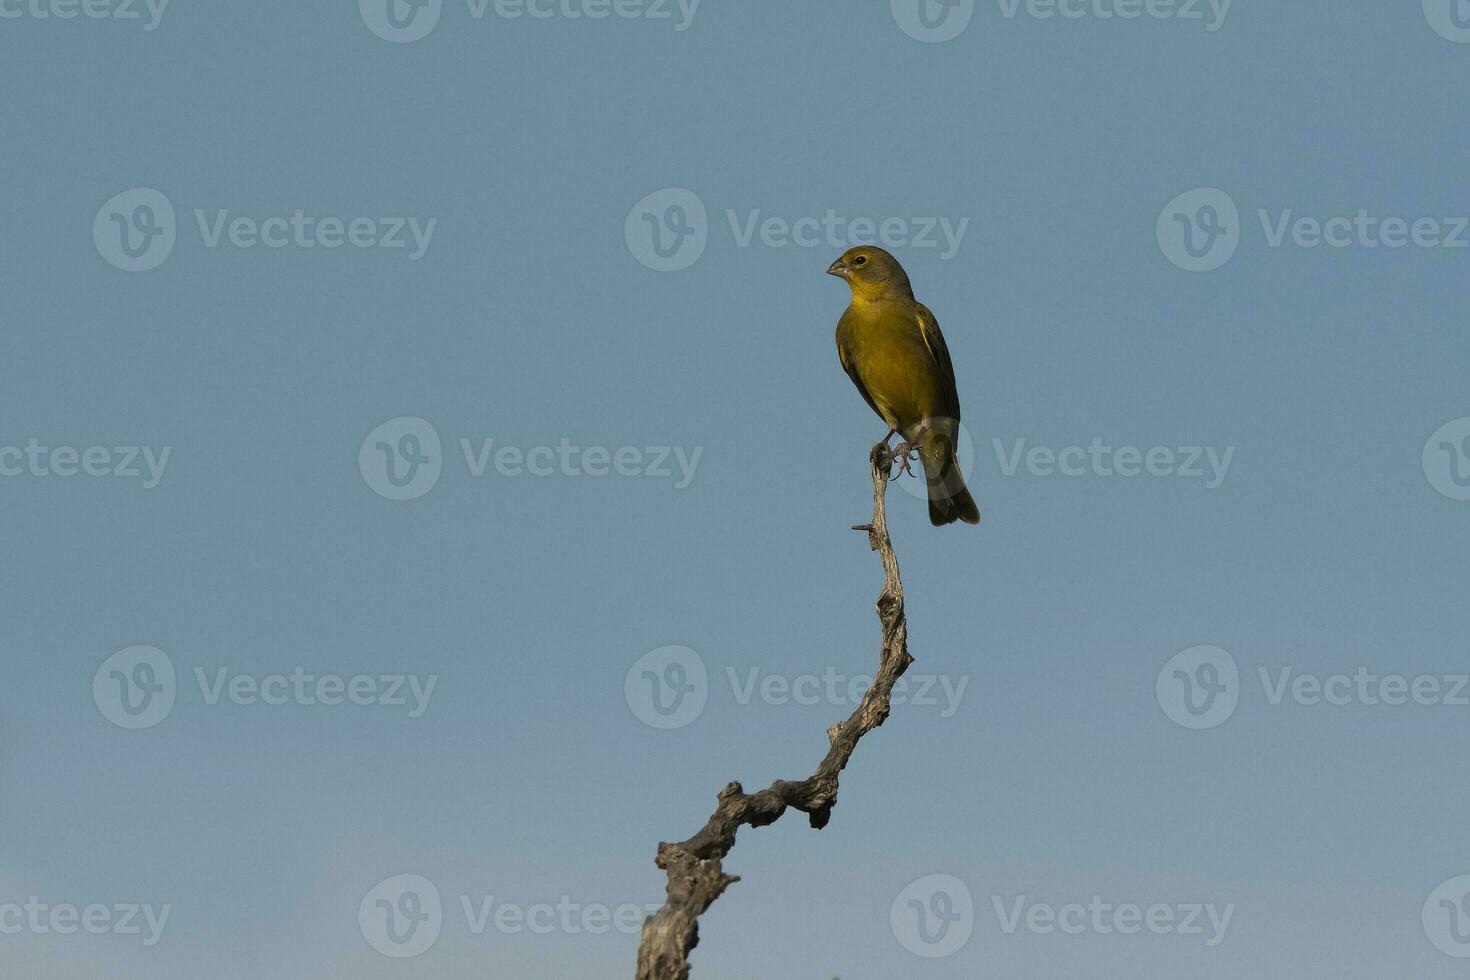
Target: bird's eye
point(860, 260)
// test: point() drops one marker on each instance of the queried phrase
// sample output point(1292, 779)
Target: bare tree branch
point(696, 878)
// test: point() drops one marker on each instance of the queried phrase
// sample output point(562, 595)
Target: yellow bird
point(890, 345)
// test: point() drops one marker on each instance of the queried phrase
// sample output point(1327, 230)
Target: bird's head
point(872, 273)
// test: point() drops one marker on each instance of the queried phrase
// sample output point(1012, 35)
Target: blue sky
point(385, 419)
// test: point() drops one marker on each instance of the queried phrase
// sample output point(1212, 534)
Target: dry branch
point(696, 878)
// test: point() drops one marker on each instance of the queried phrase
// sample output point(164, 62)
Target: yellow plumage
point(890, 345)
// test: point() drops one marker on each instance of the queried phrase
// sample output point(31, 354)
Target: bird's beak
point(838, 268)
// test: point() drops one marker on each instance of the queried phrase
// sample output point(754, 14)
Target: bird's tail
point(949, 498)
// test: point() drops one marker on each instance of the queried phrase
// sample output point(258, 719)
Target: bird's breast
point(895, 365)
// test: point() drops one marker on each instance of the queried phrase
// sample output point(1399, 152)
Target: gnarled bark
point(696, 877)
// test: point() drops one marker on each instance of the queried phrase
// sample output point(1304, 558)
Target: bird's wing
point(934, 340)
point(851, 369)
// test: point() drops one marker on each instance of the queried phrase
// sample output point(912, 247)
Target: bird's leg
point(903, 454)
point(900, 454)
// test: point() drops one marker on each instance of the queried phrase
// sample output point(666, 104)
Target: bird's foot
point(903, 454)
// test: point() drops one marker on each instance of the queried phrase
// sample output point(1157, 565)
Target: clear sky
point(377, 413)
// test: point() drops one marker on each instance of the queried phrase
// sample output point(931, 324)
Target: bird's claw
point(903, 454)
